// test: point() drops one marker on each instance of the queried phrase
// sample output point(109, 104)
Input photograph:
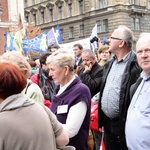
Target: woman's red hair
point(12, 80)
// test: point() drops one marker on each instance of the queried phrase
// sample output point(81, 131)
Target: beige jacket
point(34, 92)
point(25, 125)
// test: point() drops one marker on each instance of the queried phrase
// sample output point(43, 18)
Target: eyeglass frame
point(115, 38)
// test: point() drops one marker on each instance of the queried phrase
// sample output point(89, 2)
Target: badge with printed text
point(62, 109)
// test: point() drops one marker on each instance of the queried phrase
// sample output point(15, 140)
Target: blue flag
point(9, 45)
point(58, 33)
point(104, 39)
point(51, 38)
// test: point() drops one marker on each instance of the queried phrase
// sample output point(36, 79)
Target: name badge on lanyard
point(62, 109)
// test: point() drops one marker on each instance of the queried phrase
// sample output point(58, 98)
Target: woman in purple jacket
point(71, 99)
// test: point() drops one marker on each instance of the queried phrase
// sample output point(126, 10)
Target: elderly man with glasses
point(137, 127)
point(119, 74)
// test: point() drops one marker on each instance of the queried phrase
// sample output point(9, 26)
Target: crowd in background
point(61, 99)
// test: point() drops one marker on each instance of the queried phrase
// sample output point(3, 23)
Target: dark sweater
point(75, 93)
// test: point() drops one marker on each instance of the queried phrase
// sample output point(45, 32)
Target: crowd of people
point(49, 107)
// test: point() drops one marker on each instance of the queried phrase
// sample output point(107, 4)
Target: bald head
point(143, 52)
point(143, 41)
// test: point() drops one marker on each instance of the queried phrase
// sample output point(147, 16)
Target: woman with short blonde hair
point(71, 99)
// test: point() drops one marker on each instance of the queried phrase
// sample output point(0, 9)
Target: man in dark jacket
point(91, 72)
point(119, 74)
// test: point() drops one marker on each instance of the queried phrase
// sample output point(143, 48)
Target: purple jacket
point(75, 92)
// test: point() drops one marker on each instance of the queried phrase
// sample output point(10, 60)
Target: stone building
point(76, 18)
point(9, 14)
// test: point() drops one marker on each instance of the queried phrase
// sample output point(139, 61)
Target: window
point(33, 2)
point(132, 1)
point(82, 30)
point(60, 12)
point(81, 6)
point(102, 26)
point(135, 24)
point(25, 3)
point(51, 14)
point(62, 33)
point(71, 32)
point(50, 8)
point(34, 18)
point(59, 4)
point(27, 17)
point(148, 4)
point(105, 25)
point(42, 16)
point(70, 9)
point(42, 11)
point(101, 3)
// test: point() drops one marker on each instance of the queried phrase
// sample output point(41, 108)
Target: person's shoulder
point(34, 78)
point(83, 88)
point(34, 85)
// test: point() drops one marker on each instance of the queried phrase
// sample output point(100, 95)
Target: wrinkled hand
point(87, 69)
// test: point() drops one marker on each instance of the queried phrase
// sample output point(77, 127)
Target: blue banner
point(38, 43)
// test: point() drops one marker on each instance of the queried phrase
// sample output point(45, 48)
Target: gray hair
point(19, 60)
point(144, 35)
point(62, 58)
point(127, 35)
point(90, 53)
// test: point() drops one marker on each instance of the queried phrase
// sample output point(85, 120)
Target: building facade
point(77, 18)
point(9, 14)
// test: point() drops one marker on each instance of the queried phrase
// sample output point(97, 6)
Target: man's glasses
point(115, 38)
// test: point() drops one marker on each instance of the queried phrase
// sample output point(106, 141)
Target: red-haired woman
point(32, 90)
point(23, 121)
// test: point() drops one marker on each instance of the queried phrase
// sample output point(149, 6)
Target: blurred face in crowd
point(45, 66)
point(77, 51)
point(53, 49)
point(87, 60)
point(104, 55)
point(143, 54)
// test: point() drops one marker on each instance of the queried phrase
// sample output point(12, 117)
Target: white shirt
point(76, 114)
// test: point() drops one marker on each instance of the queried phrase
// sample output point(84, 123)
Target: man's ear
point(66, 70)
point(122, 43)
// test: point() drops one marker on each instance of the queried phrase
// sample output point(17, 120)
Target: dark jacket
point(134, 87)
point(93, 78)
point(131, 74)
point(79, 63)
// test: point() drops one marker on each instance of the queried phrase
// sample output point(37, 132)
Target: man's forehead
point(143, 42)
point(75, 47)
